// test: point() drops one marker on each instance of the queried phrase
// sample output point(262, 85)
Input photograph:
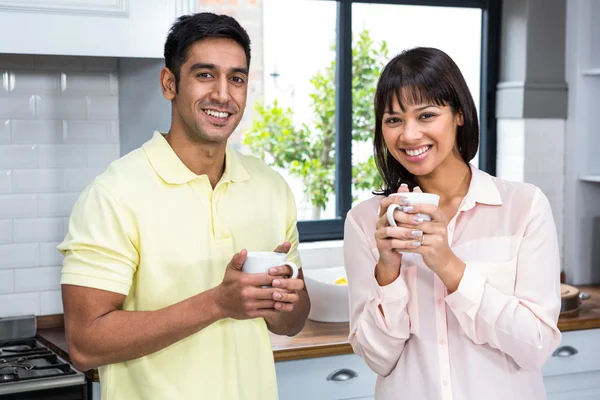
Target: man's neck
point(201, 158)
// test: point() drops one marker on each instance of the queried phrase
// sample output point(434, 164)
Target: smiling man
point(153, 289)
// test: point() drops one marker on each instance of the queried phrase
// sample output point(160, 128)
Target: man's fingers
point(283, 248)
point(237, 261)
point(257, 280)
point(286, 297)
point(285, 307)
point(282, 270)
point(289, 284)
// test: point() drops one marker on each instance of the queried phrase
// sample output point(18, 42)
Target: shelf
point(590, 178)
point(591, 72)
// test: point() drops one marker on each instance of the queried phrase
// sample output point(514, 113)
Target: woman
point(469, 310)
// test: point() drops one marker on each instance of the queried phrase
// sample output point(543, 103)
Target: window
point(319, 63)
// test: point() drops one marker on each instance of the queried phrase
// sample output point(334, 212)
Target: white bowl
point(329, 302)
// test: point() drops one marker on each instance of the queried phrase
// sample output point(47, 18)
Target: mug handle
point(294, 268)
point(390, 213)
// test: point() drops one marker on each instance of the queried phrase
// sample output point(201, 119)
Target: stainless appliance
point(31, 371)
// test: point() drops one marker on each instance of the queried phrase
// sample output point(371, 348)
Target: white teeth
point(417, 151)
point(217, 113)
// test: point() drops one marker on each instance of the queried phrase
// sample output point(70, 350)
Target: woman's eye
point(427, 116)
point(392, 120)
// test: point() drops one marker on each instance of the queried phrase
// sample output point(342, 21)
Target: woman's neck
point(449, 180)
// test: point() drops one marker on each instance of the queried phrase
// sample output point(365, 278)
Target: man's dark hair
point(188, 29)
point(416, 76)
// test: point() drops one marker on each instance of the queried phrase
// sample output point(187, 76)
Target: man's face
point(212, 89)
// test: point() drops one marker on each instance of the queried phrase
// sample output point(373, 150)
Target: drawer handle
point(341, 375)
point(565, 351)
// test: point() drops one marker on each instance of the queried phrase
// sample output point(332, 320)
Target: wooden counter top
point(330, 339)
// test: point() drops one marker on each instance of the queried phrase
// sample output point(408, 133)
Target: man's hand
point(241, 295)
point(291, 299)
point(287, 296)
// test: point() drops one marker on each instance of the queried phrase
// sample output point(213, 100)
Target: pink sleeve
point(377, 338)
point(523, 325)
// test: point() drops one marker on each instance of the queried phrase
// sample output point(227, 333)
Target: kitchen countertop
point(330, 339)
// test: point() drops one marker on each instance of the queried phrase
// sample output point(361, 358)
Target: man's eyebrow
point(213, 67)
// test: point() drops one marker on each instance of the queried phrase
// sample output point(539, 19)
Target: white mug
point(259, 262)
point(414, 198)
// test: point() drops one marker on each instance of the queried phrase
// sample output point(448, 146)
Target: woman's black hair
point(418, 76)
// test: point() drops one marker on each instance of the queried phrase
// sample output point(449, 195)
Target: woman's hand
point(391, 238)
point(433, 245)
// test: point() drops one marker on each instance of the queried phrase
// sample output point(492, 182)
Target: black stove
point(30, 370)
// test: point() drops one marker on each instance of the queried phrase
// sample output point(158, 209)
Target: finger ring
point(422, 238)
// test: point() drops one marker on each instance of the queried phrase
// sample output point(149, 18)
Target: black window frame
point(333, 229)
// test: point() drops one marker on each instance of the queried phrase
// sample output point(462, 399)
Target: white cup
point(414, 198)
point(259, 262)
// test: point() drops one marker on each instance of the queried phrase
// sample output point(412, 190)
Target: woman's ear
point(460, 119)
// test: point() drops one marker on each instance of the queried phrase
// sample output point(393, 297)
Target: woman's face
point(421, 138)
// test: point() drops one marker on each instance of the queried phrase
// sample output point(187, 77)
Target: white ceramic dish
point(329, 302)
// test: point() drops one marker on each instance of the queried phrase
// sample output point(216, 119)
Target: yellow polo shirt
point(152, 230)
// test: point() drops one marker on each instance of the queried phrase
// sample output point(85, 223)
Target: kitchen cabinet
point(114, 28)
point(342, 377)
point(573, 371)
point(582, 164)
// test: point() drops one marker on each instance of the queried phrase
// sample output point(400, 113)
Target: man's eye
point(204, 75)
point(237, 79)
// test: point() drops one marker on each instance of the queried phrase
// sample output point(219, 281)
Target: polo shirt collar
point(173, 171)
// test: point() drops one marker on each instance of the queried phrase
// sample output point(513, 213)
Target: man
point(153, 293)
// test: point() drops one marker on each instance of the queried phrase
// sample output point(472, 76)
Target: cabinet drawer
point(578, 352)
point(316, 378)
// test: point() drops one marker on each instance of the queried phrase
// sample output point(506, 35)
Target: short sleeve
point(101, 247)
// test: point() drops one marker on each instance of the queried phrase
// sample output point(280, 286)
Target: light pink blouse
point(490, 338)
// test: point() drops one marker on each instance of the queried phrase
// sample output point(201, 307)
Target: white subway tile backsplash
point(4, 131)
point(6, 281)
point(75, 180)
point(37, 279)
point(12, 305)
point(17, 156)
point(19, 255)
point(68, 107)
point(102, 155)
point(17, 106)
point(34, 82)
point(51, 303)
point(59, 129)
point(49, 254)
point(5, 181)
point(90, 132)
point(42, 131)
point(29, 230)
point(58, 63)
point(5, 231)
point(61, 156)
point(18, 205)
point(90, 83)
point(106, 64)
point(56, 204)
point(37, 181)
point(16, 61)
point(102, 107)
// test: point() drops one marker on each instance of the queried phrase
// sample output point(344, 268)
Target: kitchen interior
point(80, 89)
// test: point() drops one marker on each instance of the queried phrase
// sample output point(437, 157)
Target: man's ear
point(168, 83)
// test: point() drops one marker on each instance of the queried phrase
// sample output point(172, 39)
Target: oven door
point(40, 391)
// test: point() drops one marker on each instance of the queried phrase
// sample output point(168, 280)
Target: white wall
point(58, 130)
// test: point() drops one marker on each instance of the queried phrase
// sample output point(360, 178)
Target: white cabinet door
point(115, 28)
point(95, 391)
point(573, 371)
point(325, 378)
